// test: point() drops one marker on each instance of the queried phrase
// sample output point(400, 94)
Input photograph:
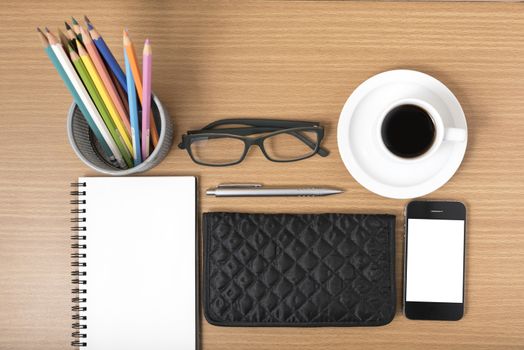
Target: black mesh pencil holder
point(88, 149)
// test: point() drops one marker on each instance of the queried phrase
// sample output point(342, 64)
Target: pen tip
point(330, 191)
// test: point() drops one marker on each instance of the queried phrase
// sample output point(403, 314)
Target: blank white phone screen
point(435, 261)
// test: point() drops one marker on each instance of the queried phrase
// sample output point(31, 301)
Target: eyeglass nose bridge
point(255, 142)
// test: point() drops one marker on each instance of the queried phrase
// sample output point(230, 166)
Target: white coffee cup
point(443, 132)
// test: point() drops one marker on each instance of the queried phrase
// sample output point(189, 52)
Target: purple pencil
point(146, 98)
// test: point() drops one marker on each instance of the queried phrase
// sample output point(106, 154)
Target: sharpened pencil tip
point(147, 42)
point(90, 26)
point(85, 36)
point(47, 29)
point(86, 19)
point(42, 36)
point(75, 22)
point(68, 27)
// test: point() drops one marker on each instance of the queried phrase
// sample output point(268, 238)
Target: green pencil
point(93, 92)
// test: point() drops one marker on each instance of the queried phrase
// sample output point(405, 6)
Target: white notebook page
point(140, 263)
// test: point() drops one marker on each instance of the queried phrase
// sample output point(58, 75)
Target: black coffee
point(408, 131)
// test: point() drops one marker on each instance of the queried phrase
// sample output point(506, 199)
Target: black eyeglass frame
point(256, 126)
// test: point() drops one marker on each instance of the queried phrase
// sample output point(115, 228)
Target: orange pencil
point(130, 50)
point(106, 79)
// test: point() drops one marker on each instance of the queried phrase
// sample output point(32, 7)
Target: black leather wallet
point(304, 270)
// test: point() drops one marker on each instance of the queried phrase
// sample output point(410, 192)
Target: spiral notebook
point(135, 260)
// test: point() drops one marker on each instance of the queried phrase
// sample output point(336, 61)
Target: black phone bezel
point(434, 210)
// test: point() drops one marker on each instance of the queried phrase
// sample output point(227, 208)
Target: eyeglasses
point(284, 141)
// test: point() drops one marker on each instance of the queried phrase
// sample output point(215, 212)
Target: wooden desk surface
point(281, 60)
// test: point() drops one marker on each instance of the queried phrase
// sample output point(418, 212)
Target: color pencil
point(129, 49)
point(121, 92)
point(76, 98)
point(76, 28)
point(106, 53)
point(106, 80)
point(86, 60)
point(77, 85)
point(133, 111)
point(115, 72)
point(95, 96)
point(69, 32)
point(71, 37)
point(118, 81)
point(146, 95)
point(63, 39)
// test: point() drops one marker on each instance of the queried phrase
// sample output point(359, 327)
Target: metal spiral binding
point(78, 277)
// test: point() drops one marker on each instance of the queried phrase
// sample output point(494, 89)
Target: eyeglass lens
point(217, 150)
point(291, 145)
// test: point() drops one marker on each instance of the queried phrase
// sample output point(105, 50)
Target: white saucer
point(369, 164)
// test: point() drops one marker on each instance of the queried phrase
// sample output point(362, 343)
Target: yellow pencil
point(105, 96)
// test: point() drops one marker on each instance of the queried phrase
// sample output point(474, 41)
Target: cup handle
point(455, 134)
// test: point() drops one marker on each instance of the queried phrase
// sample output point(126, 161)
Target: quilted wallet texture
point(304, 270)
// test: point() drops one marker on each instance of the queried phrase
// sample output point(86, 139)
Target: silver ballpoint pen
point(258, 190)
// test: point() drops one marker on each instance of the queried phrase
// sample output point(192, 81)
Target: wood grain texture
point(280, 60)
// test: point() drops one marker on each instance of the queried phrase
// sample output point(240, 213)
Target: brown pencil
point(63, 39)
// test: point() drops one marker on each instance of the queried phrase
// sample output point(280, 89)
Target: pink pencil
point(146, 98)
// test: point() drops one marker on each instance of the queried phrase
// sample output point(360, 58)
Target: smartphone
point(434, 260)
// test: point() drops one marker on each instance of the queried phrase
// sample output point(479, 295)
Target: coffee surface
point(408, 131)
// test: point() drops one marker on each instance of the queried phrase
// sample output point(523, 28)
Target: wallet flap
point(299, 269)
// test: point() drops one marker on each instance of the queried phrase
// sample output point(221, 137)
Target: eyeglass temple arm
point(262, 123)
point(321, 151)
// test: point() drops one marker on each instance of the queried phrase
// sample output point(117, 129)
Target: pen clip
point(239, 186)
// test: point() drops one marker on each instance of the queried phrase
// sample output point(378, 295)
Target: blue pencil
point(107, 55)
point(133, 112)
point(77, 98)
